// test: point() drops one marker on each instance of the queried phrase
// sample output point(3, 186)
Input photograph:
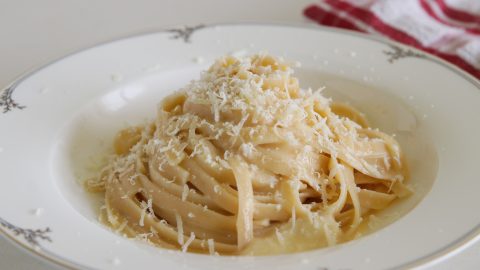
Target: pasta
point(242, 158)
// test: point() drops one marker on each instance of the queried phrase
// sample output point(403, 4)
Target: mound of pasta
point(244, 161)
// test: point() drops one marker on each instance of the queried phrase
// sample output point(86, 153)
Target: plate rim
point(183, 32)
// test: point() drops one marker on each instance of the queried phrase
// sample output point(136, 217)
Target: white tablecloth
point(33, 32)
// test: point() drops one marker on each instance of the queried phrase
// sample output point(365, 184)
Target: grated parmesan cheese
point(178, 219)
point(217, 189)
point(211, 246)
point(132, 179)
point(247, 149)
point(121, 227)
point(251, 107)
point(143, 213)
point(189, 241)
point(227, 155)
point(279, 235)
point(150, 207)
point(185, 192)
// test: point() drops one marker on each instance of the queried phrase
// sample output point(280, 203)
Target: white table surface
point(33, 32)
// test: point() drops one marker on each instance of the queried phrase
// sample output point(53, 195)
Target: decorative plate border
point(7, 103)
point(184, 33)
point(398, 52)
point(31, 236)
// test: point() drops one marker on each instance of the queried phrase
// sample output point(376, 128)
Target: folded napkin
point(449, 29)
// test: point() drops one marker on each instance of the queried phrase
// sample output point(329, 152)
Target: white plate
point(58, 117)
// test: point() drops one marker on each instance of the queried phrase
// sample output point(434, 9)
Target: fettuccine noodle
point(243, 156)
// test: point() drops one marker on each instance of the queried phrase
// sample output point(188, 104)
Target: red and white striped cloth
point(449, 29)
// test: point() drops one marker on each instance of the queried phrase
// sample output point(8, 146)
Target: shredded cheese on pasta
point(241, 155)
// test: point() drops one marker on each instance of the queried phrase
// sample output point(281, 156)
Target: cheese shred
point(243, 156)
